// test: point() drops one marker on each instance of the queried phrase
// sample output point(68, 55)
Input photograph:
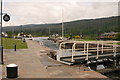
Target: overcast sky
point(50, 11)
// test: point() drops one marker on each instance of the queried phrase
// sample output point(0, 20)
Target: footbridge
point(81, 51)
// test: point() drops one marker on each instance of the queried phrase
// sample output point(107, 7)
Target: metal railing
point(100, 47)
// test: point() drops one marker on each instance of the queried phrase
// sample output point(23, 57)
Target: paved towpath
point(27, 61)
point(33, 63)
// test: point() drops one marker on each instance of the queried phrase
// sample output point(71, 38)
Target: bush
point(67, 35)
point(118, 36)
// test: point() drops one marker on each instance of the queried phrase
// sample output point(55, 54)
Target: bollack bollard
point(1, 49)
point(14, 47)
point(12, 71)
point(24, 40)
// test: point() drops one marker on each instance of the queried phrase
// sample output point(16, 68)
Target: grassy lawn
point(84, 40)
point(118, 43)
point(8, 43)
point(90, 40)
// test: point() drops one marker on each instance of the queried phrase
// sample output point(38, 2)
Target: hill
point(84, 27)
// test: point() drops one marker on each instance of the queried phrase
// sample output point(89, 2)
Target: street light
point(6, 18)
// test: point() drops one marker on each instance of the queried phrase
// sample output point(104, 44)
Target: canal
point(48, 43)
point(113, 74)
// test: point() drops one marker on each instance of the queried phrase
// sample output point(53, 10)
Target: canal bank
point(106, 66)
point(34, 63)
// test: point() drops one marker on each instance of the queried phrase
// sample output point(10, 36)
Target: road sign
point(6, 17)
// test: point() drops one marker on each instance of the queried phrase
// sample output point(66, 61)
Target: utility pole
point(1, 46)
point(62, 25)
point(49, 31)
point(6, 18)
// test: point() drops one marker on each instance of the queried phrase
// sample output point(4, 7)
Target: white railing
point(100, 46)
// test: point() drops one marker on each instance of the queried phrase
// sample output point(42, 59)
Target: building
point(108, 36)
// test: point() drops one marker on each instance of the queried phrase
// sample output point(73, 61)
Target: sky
point(24, 12)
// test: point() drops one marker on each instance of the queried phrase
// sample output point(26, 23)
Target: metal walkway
point(80, 51)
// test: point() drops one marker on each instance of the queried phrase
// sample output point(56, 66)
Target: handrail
point(97, 50)
point(73, 52)
point(60, 52)
point(86, 49)
point(84, 46)
point(113, 46)
point(114, 50)
point(102, 47)
point(92, 42)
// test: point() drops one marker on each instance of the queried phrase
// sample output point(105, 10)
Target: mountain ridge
point(85, 26)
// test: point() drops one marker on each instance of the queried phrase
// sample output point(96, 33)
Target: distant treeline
point(88, 27)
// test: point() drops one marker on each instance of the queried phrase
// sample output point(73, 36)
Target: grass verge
point(8, 43)
point(84, 40)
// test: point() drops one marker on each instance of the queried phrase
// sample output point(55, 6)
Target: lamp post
point(1, 46)
point(6, 18)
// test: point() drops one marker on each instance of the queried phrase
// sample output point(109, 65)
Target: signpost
point(6, 18)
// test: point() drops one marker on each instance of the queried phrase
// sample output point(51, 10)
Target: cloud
point(51, 12)
point(61, 0)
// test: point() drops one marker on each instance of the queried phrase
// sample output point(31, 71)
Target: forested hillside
point(84, 27)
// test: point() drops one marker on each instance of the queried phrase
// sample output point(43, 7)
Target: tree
point(118, 36)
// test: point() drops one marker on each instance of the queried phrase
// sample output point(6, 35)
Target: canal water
point(44, 41)
point(113, 74)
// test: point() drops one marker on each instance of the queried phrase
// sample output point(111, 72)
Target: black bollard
point(24, 40)
point(1, 49)
point(12, 71)
point(14, 47)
